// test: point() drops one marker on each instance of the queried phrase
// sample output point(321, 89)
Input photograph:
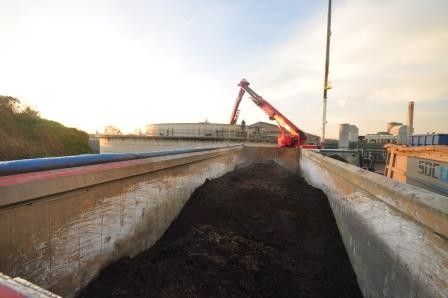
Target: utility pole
point(326, 83)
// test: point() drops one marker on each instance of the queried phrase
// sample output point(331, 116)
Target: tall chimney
point(410, 118)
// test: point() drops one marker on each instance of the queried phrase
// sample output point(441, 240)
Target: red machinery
point(291, 135)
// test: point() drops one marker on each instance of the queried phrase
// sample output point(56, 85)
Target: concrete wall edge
point(413, 201)
point(24, 188)
point(394, 251)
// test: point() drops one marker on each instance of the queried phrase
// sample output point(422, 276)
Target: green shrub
point(24, 134)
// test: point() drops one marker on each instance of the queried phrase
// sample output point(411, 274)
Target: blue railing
point(52, 163)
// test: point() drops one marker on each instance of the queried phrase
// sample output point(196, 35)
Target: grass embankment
point(24, 134)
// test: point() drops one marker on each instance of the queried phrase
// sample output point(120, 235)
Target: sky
point(88, 64)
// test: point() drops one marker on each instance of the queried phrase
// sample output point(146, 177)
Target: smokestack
point(410, 118)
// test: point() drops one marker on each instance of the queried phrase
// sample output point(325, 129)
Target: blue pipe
point(51, 163)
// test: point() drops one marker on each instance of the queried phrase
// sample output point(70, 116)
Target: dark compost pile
point(259, 231)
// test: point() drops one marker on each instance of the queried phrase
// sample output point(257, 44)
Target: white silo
point(400, 132)
point(344, 131)
point(353, 134)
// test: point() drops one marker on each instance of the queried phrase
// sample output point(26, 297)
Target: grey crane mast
point(327, 85)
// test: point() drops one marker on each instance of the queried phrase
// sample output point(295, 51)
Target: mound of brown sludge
point(259, 231)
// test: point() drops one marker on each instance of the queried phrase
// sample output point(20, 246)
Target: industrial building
point(379, 138)
point(396, 132)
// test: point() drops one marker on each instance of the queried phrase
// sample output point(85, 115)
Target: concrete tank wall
point(129, 144)
point(59, 228)
point(395, 234)
point(194, 130)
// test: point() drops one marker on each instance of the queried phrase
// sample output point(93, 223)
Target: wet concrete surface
point(259, 231)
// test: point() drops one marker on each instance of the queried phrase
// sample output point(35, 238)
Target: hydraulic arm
point(290, 136)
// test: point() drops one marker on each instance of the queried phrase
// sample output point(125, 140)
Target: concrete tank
point(215, 130)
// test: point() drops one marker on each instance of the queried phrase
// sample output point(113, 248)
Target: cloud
point(383, 54)
point(92, 64)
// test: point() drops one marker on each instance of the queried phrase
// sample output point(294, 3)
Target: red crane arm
point(235, 111)
point(284, 123)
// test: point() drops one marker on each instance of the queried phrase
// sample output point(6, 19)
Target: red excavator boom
point(291, 135)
